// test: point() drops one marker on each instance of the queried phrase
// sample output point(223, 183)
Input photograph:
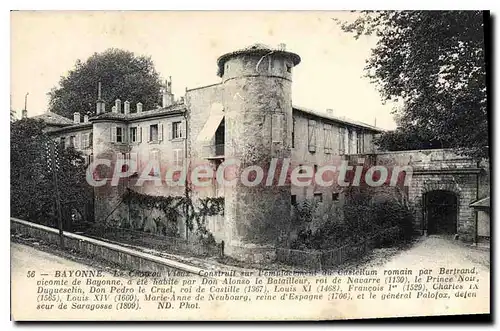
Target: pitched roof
point(53, 119)
point(176, 108)
point(485, 202)
point(337, 119)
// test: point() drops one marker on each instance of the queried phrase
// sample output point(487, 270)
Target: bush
point(363, 218)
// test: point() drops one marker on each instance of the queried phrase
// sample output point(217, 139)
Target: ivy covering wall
point(173, 209)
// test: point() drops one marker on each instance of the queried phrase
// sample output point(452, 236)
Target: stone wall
point(200, 102)
point(168, 151)
point(441, 169)
point(258, 121)
point(129, 258)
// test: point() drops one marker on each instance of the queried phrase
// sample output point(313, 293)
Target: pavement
point(24, 258)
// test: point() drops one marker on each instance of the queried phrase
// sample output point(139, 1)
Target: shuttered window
point(360, 142)
point(160, 132)
point(277, 128)
point(178, 157)
point(312, 136)
point(85, 139)
point(133, 134)
point(327, 130)
point(183, 129)
point(153, 132)
point(341, 141)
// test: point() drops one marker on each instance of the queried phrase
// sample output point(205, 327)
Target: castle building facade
point(247, 116)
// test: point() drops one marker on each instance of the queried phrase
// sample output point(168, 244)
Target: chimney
point(329, 111)
point(100, 105)
point(126, 107)
point(113, 109)
point(167, 96)
point(85, 118)
point(118, 105)
point(139, 107)
point(24, 113)
point(76, 118)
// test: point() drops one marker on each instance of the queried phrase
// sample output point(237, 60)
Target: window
point(119, 135)
point(335, 196)
point(277, 128)
point(72, 141)
point(342, 141)
point(178, 157)
point(63, 142)
point(123, 156)
point(220, 139)
point(154, 157)
point(360, 142)
point(133, 135)
point(85, 140)
point(315, 169)
point(288, 68)
point(176, 130)
point(301, 170)
point(327, 129)
point(312, 136)
point(318, 197)
point(293, 200)
point(350, 140)
point(153, 132)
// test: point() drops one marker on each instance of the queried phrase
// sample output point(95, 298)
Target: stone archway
point(440, 202)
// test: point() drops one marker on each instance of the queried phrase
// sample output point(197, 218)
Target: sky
point(186, 45)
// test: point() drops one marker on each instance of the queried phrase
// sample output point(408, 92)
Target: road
point(24, 258)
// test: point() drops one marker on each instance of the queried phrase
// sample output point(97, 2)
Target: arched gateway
point(441, 212)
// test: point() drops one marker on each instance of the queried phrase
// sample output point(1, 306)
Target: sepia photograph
point(249, 165)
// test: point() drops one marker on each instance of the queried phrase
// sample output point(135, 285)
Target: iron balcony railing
point(214, 150)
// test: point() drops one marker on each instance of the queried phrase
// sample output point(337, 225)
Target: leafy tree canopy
point(122, 74)
point(434, 62)
point(32, 180)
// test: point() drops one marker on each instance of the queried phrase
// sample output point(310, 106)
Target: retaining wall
point(126, 257)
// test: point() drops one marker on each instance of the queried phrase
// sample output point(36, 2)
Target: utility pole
point(56, 193)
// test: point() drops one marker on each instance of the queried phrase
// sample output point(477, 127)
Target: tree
point(32, 181)
point(122, 74)
point(409, 137)
point(30, 185)
point(434, 62)
point(12, 115)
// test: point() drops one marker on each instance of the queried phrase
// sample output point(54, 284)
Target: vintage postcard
point(312, 165)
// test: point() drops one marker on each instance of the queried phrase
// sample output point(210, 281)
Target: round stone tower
point(257, 102)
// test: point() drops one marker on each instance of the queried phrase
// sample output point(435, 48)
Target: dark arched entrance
point(441, 209)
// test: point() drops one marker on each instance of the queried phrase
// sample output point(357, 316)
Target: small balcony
point(213, 151)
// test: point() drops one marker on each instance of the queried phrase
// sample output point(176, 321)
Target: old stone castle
point(249, 116)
